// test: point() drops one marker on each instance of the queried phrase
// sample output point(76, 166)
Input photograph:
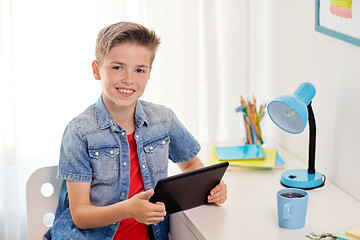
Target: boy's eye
point(140, 70)
point(117, 67)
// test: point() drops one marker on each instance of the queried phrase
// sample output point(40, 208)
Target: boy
point(113, 154)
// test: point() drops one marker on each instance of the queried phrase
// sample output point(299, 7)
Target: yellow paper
point(268, 162)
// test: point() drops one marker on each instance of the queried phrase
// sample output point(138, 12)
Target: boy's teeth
point(126, 91)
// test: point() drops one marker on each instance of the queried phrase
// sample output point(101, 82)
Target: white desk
point(251, 212)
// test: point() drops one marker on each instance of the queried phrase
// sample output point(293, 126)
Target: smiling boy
point(113, 154)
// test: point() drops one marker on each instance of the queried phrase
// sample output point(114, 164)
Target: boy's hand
point(144, 211)
point(218, 195)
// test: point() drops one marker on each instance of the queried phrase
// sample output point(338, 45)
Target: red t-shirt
point(130, 228)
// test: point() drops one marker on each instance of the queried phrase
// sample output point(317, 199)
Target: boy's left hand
point(218, 194)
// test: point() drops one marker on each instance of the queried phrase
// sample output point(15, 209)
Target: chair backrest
point(42, 196)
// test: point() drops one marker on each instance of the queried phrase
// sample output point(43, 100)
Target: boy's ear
point(95, 68)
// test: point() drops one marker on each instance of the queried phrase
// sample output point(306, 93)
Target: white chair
point(42, 195)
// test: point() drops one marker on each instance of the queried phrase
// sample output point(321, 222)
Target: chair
point(42, 195)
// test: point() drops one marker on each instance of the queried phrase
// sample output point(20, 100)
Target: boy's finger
point(155, 220)
point(158, 214)
point(215, 196)
point(159, 207)
point(146, 195)
point(161, 203)
point(217, 199)
point(218, 188)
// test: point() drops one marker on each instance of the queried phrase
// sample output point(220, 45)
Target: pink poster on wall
point(342, 16)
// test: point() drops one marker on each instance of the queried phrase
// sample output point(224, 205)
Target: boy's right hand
point(144, 211)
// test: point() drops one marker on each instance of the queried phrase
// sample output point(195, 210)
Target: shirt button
point(124, 163)
point(137, 136)
point(111, 152)
point(123, 133)
point(97, 153)
point(151, 148)
point(123, 194)
point(143, 166)
point(163, 142)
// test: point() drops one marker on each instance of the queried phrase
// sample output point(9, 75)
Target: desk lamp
point(291, 113)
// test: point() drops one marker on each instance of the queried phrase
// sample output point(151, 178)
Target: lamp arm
point(312, 139)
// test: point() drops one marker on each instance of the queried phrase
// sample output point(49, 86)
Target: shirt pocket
point(157, 154)
point(105, 163)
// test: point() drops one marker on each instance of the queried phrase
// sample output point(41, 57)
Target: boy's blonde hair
point(125, 32)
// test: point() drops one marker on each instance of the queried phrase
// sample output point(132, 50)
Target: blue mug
point(292, 206)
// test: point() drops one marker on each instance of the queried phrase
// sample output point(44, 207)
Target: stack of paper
point(248, 151)
point(252, 157)
point(349, 233)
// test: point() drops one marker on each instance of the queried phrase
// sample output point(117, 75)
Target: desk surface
point(251, 212)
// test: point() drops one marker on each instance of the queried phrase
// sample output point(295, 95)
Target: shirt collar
point(104, 120)
point(140, 115)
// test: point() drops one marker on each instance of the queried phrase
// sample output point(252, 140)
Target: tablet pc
point(188, 190)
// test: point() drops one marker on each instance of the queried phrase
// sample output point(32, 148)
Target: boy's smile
point(125, 92)
point(124, 74)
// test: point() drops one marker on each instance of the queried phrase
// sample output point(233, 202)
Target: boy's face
point(124, 74)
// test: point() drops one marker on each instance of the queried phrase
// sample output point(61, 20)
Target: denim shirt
point(95, 149)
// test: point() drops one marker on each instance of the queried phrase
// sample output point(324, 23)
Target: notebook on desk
point(241, 152)
point(188, 190)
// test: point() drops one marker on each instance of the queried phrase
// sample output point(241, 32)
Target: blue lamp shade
point(290, 112)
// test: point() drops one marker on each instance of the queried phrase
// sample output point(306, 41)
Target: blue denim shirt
point(95, 149)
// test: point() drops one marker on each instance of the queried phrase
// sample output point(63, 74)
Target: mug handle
point(286, 211)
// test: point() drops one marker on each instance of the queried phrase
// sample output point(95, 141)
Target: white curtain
point(46, 49)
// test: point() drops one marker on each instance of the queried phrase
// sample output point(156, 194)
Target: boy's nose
point(127, 78)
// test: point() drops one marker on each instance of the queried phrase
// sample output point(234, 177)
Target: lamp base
point(300, 178)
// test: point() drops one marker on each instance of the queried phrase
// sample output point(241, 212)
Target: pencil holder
point(253, 118)
point(254, 130)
